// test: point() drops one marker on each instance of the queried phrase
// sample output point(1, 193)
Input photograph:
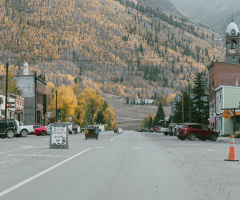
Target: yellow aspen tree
point(109, 117)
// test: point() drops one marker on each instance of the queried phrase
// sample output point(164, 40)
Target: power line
point(107, 60)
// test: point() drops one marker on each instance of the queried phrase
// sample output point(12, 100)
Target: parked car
point(150, 129)
point(171, 128)
point(8, 128)
point(76, 128)
point(23, 130)
point(157, 129)
point(193, 130)
point(39, 130)
point(165, 130)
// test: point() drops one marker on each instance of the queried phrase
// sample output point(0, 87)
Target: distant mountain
point(123, 47)
point(217, 14)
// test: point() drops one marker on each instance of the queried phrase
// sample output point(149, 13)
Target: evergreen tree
point(127, 100)
point(100, 118)
point(150, 122)
point(200, 110)
point(159, 116)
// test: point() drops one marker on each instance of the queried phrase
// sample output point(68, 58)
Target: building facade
point(224, 84)
point(34, 92)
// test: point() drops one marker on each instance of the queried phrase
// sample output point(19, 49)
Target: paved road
point(130, 166)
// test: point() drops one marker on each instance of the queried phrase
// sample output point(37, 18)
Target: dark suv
point(193, 131)
point(8, 128)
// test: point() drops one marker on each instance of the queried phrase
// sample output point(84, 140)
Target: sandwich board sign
point(59, 136)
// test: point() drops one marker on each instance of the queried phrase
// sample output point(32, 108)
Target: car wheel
point(3, 136)
point(213, 137)
point(10, 133)
point(182, 138)
point(24, 133)
point(192, 137)
point(43, 133)
point(204, 139)
point(165, 133)
point(170, 134)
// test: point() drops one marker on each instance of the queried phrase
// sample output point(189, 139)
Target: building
point(226, 97)
point(15, 107)
point(221, 75)
point(34, 92)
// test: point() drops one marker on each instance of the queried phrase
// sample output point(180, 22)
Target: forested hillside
point(113, 46)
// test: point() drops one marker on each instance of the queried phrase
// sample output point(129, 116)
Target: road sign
point(226, 114)
point(58, 113)
point(59, 136)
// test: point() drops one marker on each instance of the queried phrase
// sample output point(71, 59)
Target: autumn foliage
point(83, 105)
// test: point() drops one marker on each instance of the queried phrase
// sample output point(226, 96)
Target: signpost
point(59, 136)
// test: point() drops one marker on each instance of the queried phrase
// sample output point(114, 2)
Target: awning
point(236, 113)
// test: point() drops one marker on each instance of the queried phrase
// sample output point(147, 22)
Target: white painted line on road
point(14, 150)
point(115, 138)
point(211, 150)
point(136, 148)
point(99, 147)
point(41, 173)
point(4, 162)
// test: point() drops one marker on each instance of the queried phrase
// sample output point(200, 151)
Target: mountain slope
point(217, 14)
point(120, 47)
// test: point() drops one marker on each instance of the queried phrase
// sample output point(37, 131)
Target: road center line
point(41, 173)
point(114, 138)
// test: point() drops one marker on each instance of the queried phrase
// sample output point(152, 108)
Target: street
point(128, 166)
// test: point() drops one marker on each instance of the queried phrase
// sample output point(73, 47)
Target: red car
point(39, 130)
point(194, 130)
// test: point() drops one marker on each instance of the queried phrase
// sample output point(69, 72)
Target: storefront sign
point(226, 114)
point(59, 136)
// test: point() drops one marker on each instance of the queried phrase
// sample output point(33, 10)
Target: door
point(205, 132)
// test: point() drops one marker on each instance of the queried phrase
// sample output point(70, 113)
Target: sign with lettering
point(59, 136)
point(226, 114)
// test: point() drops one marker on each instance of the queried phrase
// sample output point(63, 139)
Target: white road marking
point(99, 147)
point(211, 150)
point(115, 138)
point(41, 173)
point(14, 150)
point(136, 148)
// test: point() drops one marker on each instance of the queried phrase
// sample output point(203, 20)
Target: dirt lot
point(129, 116)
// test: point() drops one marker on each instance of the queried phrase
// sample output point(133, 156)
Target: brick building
point(34, 92)
point(222, 74)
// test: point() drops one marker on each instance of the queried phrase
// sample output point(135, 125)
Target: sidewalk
point(228, 140)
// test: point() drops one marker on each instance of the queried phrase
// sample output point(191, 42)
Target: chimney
point(25, 68)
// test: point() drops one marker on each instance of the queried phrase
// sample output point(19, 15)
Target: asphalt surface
point(128, 166)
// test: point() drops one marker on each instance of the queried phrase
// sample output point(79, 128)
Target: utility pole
point(56, 107)
point(182, 111)
point(6, 90)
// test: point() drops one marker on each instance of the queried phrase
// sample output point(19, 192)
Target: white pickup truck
point(23, 130)
point(165, 130)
